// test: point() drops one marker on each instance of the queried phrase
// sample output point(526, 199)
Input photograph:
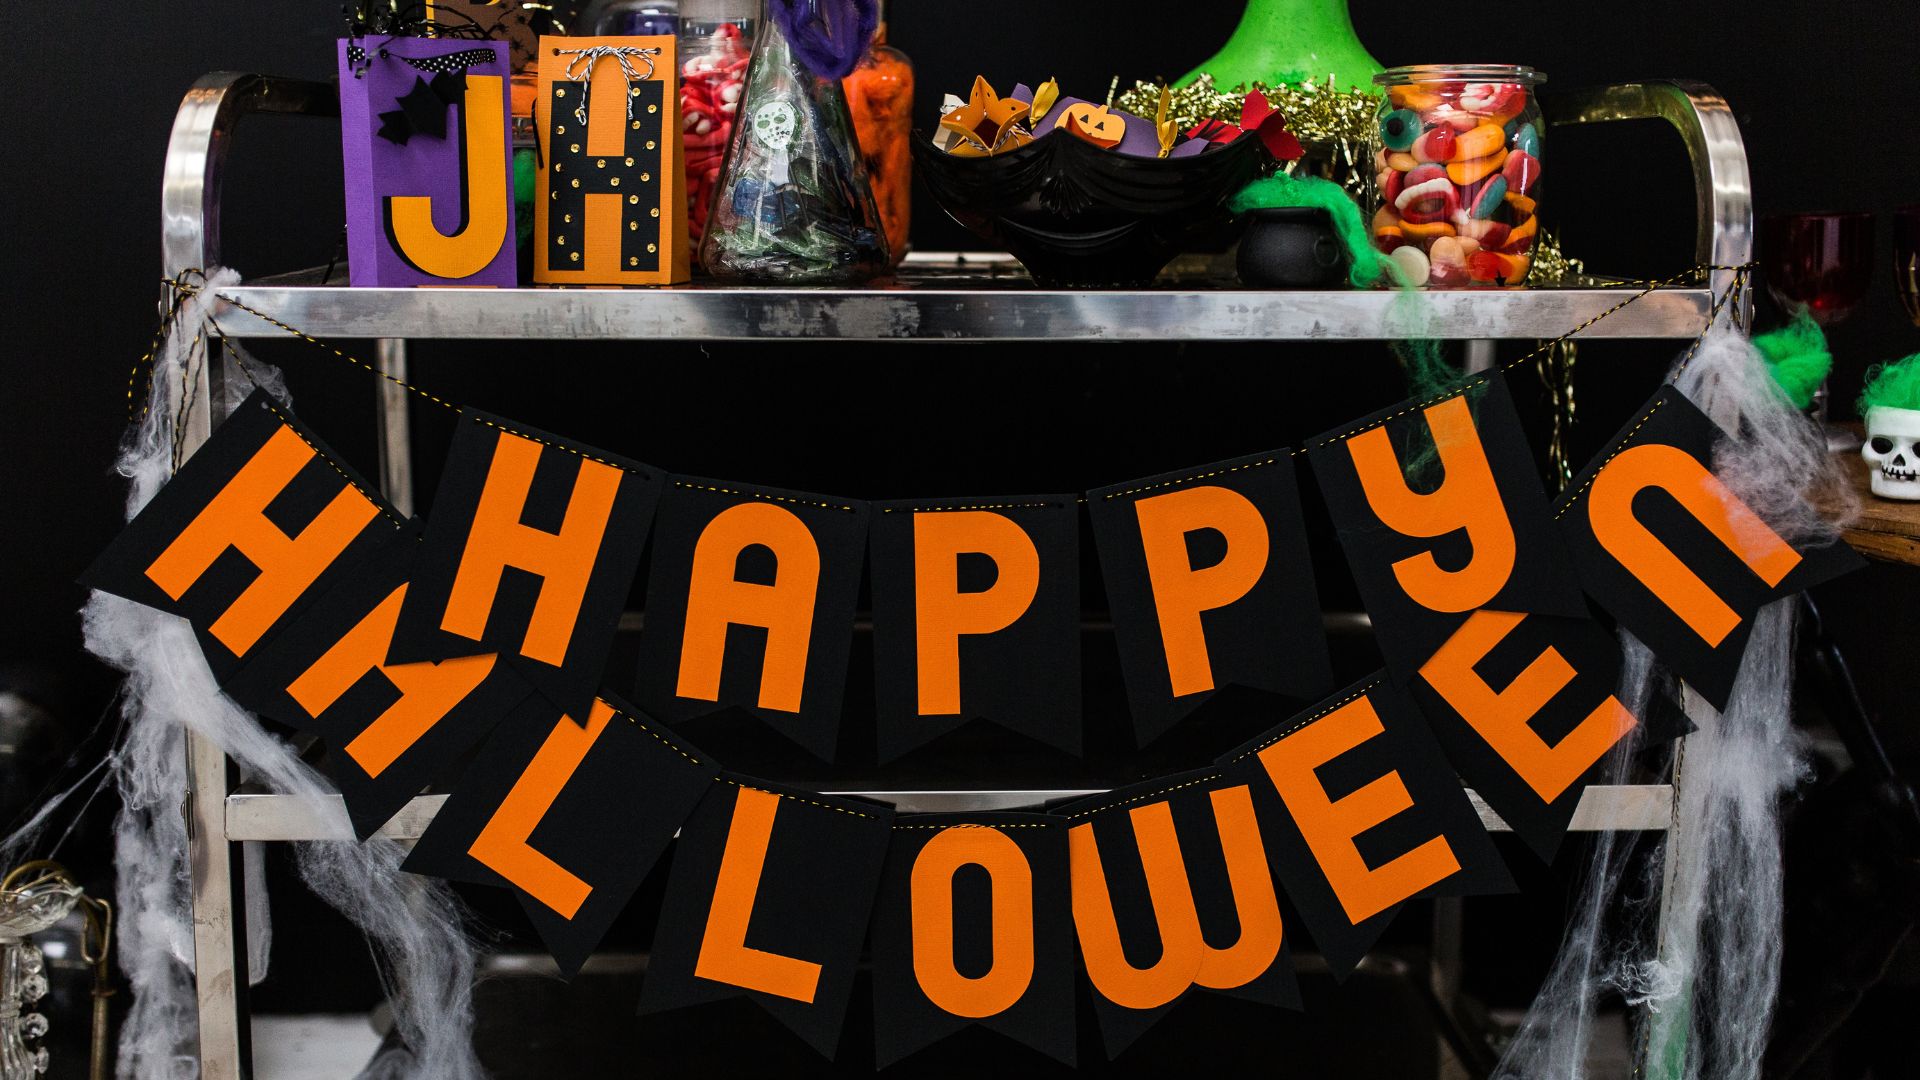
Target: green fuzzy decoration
point(526, 183)
point(1894, 385)
point(1284, 190)
point(1797, 356)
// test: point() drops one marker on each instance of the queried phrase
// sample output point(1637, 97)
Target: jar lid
point(1426, 73)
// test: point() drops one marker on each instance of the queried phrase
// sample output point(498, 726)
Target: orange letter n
point(1674, 471)
point(236, 518)
point(1181, 593)
point(716, 598)
point(564, 560)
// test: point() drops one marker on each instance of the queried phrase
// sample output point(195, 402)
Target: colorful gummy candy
point(711, 82)
point(1457, 174)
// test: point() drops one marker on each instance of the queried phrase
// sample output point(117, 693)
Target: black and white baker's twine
point(580, 69)
point(358, 59)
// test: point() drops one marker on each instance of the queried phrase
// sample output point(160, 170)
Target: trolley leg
point(396, 443)
point(1479, 356)
point(219, 916)
point(1664, 1033)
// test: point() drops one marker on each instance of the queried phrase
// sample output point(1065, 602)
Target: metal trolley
point(932, 300)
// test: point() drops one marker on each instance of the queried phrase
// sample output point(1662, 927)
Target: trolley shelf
point(944, 297)
point(1620, 807)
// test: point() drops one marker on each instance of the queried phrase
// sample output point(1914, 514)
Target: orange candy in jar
point(880, 96)
point(713, 75)
point(1457, 173)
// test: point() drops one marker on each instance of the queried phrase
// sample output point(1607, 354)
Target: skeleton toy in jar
point(1891, 405)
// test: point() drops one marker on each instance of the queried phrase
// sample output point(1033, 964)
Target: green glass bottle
point(1290, 41)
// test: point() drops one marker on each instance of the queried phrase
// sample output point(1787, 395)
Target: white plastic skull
point(774, 124)
point(1889, 450)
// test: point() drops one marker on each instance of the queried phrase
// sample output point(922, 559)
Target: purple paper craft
point(376, 168)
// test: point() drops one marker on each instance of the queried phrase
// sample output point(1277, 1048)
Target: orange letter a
point(716, 598)
point(428, 691)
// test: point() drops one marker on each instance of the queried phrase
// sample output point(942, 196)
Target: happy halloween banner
point(479, 638)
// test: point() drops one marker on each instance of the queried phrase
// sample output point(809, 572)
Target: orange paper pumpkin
point(1095, 123)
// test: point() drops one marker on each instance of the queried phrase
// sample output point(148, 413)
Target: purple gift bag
point(425, 133)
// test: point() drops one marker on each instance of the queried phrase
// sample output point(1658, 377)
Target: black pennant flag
point(257, 524)
point(1172, 890)
point(1360, 813)
point(972, 927)
point(1523, 705)
point(390, 729)
point(530, 551)
point(750, 603)
point(1680, 560)
point(768, 899)
point(570, 817)
point(976, 614)
point(1441, 512)
point(1210, 581)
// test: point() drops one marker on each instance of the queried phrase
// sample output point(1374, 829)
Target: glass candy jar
point(716, 37)
point(1457, 153)
point(793, 205)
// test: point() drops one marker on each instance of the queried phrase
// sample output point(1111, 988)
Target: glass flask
point(793, 205)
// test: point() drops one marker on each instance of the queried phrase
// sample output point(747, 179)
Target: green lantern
point(1291, 41)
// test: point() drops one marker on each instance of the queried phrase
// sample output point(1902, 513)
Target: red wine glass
point(1906, 258)
point(1822, 262)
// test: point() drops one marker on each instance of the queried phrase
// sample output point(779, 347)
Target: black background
point(1822, 93)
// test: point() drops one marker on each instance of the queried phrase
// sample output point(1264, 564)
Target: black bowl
point(1076, 215)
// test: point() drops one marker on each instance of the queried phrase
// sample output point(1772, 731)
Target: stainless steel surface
point(1625, 808)
point(1722, 188)
point(197, 150)
point(940, 305)
point(393, 425)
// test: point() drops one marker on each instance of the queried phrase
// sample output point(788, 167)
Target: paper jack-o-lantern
point(1889, 452)
point(1094, 123)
